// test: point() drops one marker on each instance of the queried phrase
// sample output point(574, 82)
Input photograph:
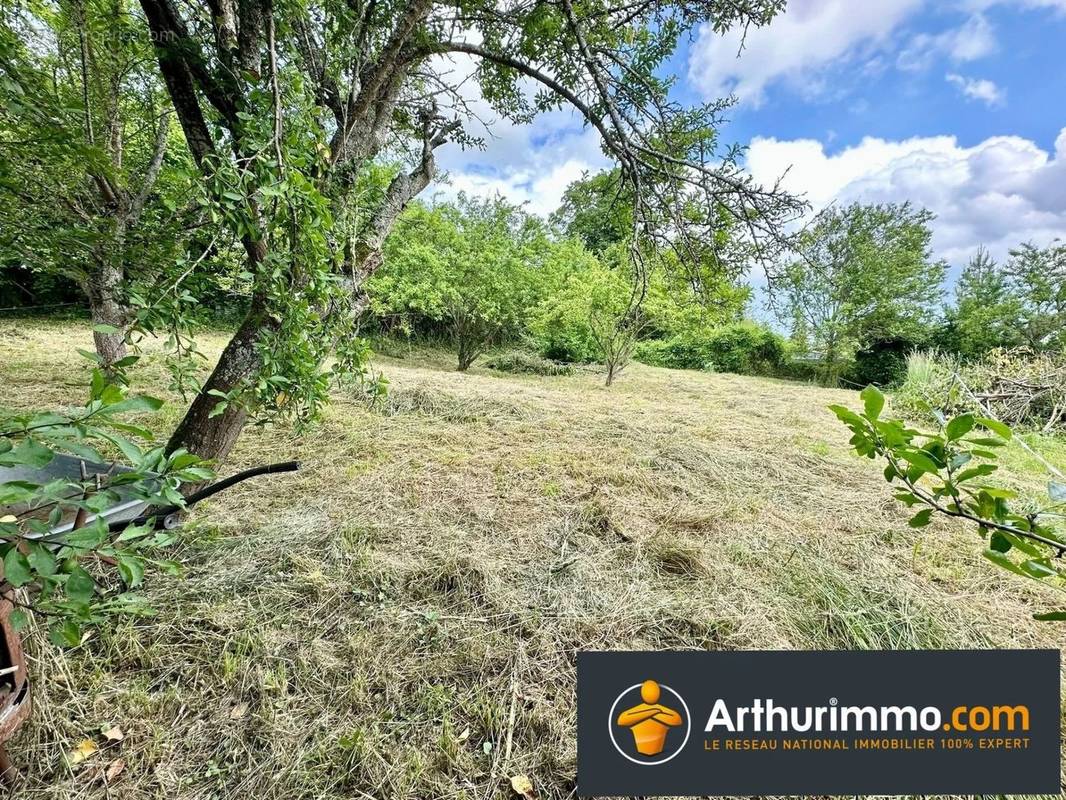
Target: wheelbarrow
point(15, 706)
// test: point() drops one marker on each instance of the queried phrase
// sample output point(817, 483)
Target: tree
point(471, 266)
point(86, 131)
point(589, 309)
point(286, 107)
point(1038, 277)
point(865, 273)
point(987, 311)
point(596, 210)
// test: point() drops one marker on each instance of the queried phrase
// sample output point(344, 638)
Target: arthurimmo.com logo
point(649, 723)
point(818, 723)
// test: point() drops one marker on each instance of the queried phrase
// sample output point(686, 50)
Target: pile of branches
point(1021, 387)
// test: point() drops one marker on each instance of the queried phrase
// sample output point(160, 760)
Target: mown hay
point(401, 617)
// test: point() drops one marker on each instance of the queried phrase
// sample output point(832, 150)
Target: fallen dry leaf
point(522, 785)
point(114, 734)
point(85, 748)
point(114, 769)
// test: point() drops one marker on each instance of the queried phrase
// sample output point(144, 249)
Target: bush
point(746, 348)
point(527, 363)
point(883, 362)
point(562, 336)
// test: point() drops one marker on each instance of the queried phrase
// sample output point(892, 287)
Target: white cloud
point(972, 40)
point(797, 46)
point(979, 89)
point(526, 164)
point(998, 193)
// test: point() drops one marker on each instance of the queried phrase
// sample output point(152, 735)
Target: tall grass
point(930, 383)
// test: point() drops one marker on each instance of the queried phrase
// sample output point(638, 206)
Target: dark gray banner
point(786, 723)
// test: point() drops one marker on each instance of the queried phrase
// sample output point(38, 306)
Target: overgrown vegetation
point(1019, 387)
point(83, 572)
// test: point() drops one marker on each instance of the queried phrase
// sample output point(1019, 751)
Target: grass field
point(400, 618)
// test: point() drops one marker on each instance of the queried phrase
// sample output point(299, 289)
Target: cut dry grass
point(401, 617)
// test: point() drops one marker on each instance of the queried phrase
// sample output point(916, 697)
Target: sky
point(955, 105)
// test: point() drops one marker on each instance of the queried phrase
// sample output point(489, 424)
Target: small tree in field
point(593, 304)
point(470, 267)
point(1038, 279)
point(865, 273)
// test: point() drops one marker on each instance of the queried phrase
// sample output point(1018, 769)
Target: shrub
point(563, 336)
point(882, 362)
point(528, 363)
point(746, 348)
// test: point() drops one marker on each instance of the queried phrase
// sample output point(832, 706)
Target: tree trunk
point(212, 437)
point(467, 354)
point(104, 290)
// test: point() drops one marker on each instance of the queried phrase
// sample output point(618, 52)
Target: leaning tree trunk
point(109, 313)
point(210, 435)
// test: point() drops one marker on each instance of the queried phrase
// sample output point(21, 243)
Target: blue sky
point(897, 86)
point(956, 105)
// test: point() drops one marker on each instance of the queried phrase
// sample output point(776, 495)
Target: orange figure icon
point(650, 721)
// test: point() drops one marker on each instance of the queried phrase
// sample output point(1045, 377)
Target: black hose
point(160, 512)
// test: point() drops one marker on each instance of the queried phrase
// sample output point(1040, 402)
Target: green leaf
point(79, 586)
point(1000, 543)
point(27, 453)
point(921, 519)
point(18, 619)
point(88, 538)
point(847, 416)
point(65, 634)
point(17, 568)
point(975, 472)
point(959, 427)
point(920, 460)
point(94, 357)
point(131, 451)
point(17, 492)
point(41, 559)
point(1003, 561)
point(181, 460)
point(1051, 616)
point(995, 426)
point(131, 569)
point(135, 404)
point(133, 532)
point(106, 329)
point(873, 401)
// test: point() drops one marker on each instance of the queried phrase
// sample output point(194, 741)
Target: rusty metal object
point(14, 683)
